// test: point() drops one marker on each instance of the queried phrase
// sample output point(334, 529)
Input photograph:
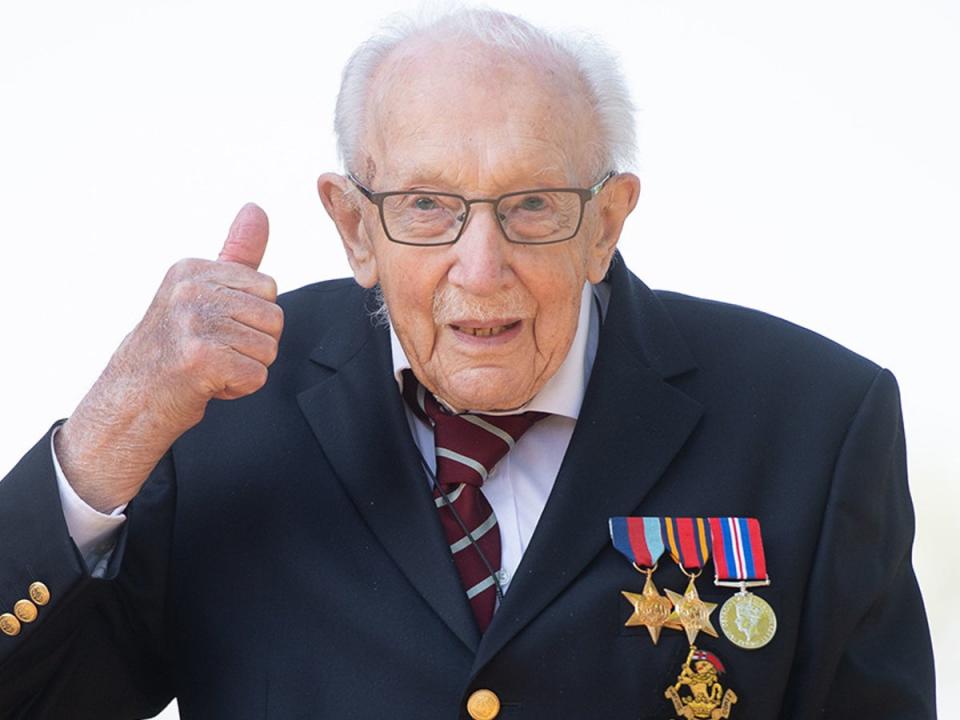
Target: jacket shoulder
point(320, 301)
point(334, 313)
point(743, 341)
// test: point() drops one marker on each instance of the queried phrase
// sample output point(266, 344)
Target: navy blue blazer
point(285, 559)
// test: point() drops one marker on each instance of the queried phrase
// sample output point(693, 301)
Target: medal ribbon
point(687, 540)
point(738, 549)
point(639, 539)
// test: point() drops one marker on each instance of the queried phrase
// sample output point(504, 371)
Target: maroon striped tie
point(468, 446)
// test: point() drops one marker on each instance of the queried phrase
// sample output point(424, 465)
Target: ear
point(618, 199)
point(339, 199)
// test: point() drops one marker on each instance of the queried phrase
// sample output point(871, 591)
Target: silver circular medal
point(748, 621)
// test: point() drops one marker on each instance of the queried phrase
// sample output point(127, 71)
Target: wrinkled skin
point(484, 322)
point(211, 331)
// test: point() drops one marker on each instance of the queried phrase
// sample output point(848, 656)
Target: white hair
point(597, 67)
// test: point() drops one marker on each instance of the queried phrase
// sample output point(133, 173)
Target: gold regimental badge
point(697, 693)
point(748, 621)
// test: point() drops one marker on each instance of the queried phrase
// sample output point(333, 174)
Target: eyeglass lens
point(427, 219)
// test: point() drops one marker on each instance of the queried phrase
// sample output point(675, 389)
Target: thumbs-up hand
point(211, 331)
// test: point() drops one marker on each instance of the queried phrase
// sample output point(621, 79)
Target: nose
point(481, 266)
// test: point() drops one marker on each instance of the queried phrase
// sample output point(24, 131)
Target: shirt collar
point(563, 393)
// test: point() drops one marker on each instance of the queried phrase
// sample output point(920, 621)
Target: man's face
point(484, 322)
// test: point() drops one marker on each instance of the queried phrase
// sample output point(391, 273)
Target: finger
point(245, 340)
point(266, 317)
point(218, 302)
point(245, 377)
point(217, 275)
point(247, 240)
point(224, 277)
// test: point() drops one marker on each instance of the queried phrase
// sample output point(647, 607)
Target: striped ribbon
point(639, 539)
point(738, 549)
point(687, 540)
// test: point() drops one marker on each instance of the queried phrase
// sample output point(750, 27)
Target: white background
point(802, 158)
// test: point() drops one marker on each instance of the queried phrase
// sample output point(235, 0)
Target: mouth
point(486, 329)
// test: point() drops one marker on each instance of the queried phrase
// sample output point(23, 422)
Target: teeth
point(484, 332)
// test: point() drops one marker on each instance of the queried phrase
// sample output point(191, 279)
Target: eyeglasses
point(528, 217)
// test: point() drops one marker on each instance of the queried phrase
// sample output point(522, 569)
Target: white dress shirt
point(93, 532)
point(517, 489)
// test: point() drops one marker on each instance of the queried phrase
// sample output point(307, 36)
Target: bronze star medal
point(640, 540)
point(690, 550)
point(650, 609)
point(691, 613)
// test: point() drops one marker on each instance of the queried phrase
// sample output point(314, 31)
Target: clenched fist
point(211, 331)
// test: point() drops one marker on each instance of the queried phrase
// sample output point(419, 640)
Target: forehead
point(475, 116)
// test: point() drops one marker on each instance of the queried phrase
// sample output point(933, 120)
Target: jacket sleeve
point(96, 648)
point(865, 645)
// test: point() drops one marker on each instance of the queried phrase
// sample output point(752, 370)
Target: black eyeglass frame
point(377, 198)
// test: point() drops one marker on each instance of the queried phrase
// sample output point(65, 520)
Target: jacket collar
point(632, 423)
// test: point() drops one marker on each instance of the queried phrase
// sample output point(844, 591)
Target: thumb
point(247, 239)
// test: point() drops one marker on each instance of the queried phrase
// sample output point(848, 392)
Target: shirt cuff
point(94, 532)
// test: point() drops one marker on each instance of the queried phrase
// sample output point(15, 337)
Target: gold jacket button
point(25, 611)
point(39, 593)
point(483, 705)
point(9, 624)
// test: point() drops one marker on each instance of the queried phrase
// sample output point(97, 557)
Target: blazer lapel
point(631, 425)
point(358, 418)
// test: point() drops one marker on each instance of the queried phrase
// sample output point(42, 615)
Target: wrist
point(114, 439)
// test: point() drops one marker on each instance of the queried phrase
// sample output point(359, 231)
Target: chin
point(487, 389)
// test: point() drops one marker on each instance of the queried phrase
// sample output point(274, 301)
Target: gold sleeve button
point(483, 705)
point(39, 593)
point(25, 611)
point(9, 624)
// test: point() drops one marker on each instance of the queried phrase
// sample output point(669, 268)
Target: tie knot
point(468, 445)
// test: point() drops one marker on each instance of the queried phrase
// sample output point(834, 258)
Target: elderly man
point(409, 518)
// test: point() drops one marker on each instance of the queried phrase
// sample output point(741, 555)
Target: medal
point(690, 612)
point(697, 693)
point(640, 540)
point(747, 620)
point(687, 540)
